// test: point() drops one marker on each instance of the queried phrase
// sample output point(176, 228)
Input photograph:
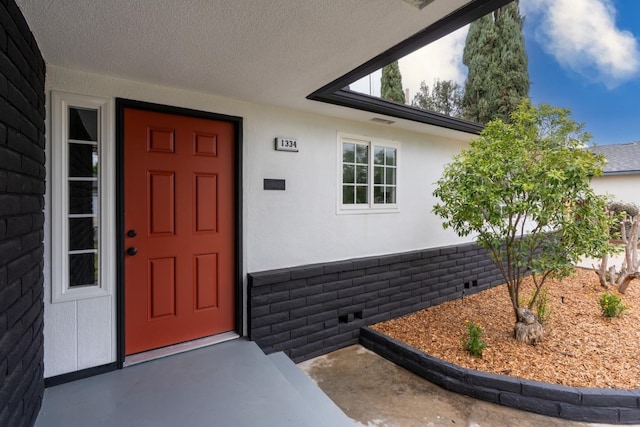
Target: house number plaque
point(286, 144)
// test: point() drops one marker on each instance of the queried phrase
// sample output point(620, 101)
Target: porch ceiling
point(273, 51)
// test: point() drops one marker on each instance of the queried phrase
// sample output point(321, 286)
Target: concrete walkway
point(374, 392)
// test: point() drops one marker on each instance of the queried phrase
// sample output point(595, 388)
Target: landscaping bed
point(581, 348)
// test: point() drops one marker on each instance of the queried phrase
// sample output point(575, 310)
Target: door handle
point(132, 251)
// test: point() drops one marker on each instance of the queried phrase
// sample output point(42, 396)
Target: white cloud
point(441, 59)
point(583, 37)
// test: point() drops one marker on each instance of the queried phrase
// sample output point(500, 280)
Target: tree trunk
point(602, 272)
point(622, 288)
point(528, 328)
point(630, 265)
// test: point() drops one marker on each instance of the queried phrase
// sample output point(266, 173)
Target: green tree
point(478, 57)
point(444, 98)
point(523, 188)
point(391, 83)
point(495, 55)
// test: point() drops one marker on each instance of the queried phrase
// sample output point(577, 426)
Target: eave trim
point(335, 92)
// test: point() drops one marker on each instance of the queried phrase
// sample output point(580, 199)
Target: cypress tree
point(494, 53)
point(512, 71)
point(391, 83)
point(477, 56)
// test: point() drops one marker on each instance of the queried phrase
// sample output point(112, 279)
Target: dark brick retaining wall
point(314, 309)
point(22, 174)
point(571, 403)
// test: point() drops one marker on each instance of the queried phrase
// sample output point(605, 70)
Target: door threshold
point(159, 353)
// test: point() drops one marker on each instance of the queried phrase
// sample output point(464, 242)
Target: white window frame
point(60, 104)
point(370, 207)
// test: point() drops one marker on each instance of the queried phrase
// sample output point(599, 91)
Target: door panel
point(179, 201)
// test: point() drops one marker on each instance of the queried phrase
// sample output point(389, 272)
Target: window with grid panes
point(368, 174)
point(82, 192)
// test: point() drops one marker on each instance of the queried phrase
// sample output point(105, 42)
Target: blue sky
point(583, 55)
point(587, 58)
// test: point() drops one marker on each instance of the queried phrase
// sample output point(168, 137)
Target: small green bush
point(473, 342)
point(543, 311)
point(611, 305)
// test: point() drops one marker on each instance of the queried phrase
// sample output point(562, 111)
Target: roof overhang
point(275, 52)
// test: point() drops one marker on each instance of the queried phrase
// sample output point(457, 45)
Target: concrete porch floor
point(229, 384)
point(375, 392)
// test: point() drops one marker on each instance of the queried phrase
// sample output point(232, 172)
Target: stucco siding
point(281, 229)
point(624, 188)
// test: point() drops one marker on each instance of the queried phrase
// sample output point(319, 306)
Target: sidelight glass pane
point(83, 197)
point(83, 160)
point(348, 153)
point(83, 124)
point(83, 234)
point(83, 269)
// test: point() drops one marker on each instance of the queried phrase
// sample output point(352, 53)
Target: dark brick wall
point(593, 405)
point(22, 184)
point(311, 310)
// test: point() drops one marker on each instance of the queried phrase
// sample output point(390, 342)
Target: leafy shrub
point(611, 305)
point(473, 342)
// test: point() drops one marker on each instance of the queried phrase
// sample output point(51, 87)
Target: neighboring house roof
point(622, 159)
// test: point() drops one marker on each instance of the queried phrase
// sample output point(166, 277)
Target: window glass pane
point(83, 197)
point(362, 154)
point(83, 124)
point(378, 175)
point(378, 155)
point(361, 194)
point(390, 194)
point(83, 160)
point(378, 194)
point(348, 195)
point(390, 156)
point(348, 153)
point(348, 174)
point(362, 173)
point(83, 269)
point(391, 176)
point(82, 234)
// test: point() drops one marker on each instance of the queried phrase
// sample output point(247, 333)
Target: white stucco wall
point(625, 188)
point(280, 228)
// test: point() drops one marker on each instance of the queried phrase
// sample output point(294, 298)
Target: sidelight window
point(80, 193)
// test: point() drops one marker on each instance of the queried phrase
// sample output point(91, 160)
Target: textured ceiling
point(266, 51)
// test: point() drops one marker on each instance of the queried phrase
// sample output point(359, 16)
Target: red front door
point(179, 229)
